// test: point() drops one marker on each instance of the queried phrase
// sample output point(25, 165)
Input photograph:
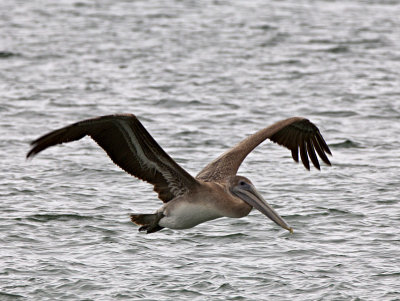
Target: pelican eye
point(242, 183)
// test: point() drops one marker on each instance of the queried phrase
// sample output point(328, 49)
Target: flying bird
point(217, 191)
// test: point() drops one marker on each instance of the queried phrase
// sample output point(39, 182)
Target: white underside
point(187, 215)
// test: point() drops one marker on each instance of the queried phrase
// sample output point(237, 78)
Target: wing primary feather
point(295, 154)
point(57, 137)
point(323, 143)
point(311, 154)
point(303, 153)
point(320, 151)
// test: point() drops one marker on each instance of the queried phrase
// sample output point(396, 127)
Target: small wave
point(284, 62)
point(388, 202)
point(343, 113)
point(7, 54)
point(323, 212)
point(162, 88)
point(7, 296)
point(225, 287)
point(219, 237)
point(60, 217)
point(345, 212)
point(173, 103)
point(161, 16)
point(349, 42)
point(345, 144)
point(265, 27)
point(396, 274)
point(338, 49)
point(320, 41)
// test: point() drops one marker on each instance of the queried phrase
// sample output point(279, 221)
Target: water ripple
point(58, 217)
point(201, 76)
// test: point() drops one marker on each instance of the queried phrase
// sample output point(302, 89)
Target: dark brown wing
point(131, 147)
point(294, 133)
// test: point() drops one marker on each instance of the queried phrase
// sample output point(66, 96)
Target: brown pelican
point(188, 201)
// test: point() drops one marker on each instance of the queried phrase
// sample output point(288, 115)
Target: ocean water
point(201, 76)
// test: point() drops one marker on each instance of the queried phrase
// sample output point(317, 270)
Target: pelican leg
point(148, 222)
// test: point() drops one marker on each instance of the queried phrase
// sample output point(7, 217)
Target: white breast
point(184, 215)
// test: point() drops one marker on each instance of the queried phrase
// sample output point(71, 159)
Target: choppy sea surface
point(201, 76)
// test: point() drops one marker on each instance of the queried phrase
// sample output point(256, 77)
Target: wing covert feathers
point(129, 146)
point(296, 134)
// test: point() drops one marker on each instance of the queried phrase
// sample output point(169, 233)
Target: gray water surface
point(201, 76)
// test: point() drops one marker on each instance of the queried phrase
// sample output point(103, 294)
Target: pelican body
point(217, 191)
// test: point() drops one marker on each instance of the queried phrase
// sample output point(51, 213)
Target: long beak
point(254, 198)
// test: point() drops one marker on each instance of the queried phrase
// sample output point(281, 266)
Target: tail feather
point(149, 222)
point(143, 219)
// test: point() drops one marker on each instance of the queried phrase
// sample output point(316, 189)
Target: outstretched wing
point(294, 133)
point(131, 147)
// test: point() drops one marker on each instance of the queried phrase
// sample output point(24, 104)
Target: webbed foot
point(148, 222)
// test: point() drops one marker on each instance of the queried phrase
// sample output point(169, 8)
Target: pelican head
point(242, 188)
